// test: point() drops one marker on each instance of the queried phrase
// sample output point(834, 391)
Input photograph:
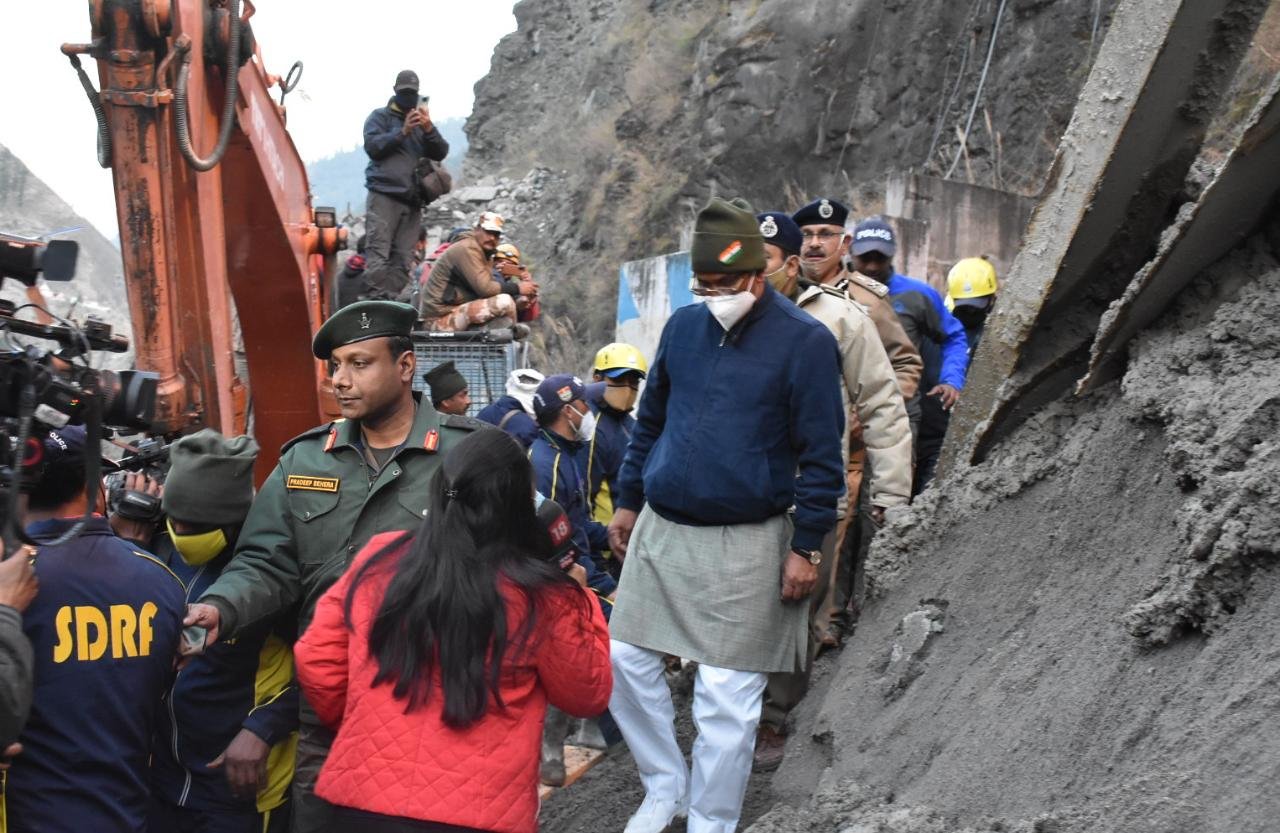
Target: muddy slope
point(1079, 634)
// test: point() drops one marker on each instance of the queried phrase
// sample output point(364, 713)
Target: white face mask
point(586, 427)
point(730, 309)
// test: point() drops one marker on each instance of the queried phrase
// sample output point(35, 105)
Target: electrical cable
point(977, 95)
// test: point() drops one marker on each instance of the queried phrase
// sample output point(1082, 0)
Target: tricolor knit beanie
point(726, 239)
point(210, 478)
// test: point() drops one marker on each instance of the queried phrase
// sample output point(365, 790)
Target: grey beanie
point(210, 478)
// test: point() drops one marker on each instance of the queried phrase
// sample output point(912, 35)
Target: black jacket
point(393, 155)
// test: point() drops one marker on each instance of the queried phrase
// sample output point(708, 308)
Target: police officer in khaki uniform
point(825, 242)
point(335, 487)
point(872, 398)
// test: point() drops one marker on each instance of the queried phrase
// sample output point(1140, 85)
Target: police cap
point(822, 212)
point(361, 321)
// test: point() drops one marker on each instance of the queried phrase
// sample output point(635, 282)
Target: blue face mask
point(406, 100)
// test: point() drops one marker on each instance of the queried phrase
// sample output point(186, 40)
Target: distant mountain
point(338, 180)
point(30, 208)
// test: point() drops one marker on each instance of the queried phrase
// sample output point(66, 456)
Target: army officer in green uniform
point(336, 486)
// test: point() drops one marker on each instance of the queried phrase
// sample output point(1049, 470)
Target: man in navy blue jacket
point(396, 138)
point(224, 756)
point(741, 421)
point(565, 424)
point(619, 370)
point(105, 630)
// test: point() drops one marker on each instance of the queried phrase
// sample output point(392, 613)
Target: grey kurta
point(711, 594)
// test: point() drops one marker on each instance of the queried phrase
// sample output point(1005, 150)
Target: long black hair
point(442, 606)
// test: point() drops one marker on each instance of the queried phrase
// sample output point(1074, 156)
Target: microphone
point(560, 529)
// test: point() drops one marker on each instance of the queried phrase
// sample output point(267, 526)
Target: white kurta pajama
point(711, 594)
point(736, 427)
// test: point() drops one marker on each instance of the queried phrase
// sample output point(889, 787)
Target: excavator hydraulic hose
point(95, 100)
point(232, 69)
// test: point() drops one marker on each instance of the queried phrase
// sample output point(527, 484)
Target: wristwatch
point(814, 557)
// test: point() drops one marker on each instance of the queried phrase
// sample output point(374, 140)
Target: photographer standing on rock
point(396, 138)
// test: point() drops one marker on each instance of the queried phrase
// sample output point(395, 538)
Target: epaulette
point(464, 423)
point(833, 292)
point(313, 432)
point(827, 289)
point(869, 284)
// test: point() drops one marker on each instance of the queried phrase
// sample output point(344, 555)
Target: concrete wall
point(941, 221)
point(649, 291)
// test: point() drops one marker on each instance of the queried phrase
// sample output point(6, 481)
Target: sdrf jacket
point(410, 764)
point(104, 629)
point(728, 418)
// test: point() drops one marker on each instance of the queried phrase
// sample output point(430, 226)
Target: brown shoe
point(770, 748)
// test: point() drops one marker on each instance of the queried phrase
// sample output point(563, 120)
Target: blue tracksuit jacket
point(519, 424)
point(924, 316)
point(556, 475)
point(241, 683)
point(601, 459)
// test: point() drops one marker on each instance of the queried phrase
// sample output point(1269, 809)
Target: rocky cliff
point(641, 110)
point(28, 207)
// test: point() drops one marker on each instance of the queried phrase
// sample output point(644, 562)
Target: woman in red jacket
point(435, 655)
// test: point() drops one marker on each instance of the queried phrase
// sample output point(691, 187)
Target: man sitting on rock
point(462, 292)
point(508, 266)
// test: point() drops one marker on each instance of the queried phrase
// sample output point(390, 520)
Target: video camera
point(25, 258)
point(43, 389)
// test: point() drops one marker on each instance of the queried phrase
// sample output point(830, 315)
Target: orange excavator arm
point(209, 239)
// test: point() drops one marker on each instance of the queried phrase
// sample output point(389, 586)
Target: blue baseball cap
point(778, 229)
point(554, 392)
point(874, 236)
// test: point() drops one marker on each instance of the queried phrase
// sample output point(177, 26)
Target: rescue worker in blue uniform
point(224, 753)
point(619, 370)
point(565, 424)
point(104, 629)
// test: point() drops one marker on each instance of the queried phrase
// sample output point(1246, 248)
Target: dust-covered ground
point(603, 800)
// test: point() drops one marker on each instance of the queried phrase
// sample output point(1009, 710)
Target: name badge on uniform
point(312, 484)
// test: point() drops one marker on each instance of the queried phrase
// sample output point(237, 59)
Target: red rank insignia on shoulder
point(432, 441)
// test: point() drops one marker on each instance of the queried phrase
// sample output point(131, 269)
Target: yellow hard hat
point(973, 277)
point(508, 251)
point(615, 359)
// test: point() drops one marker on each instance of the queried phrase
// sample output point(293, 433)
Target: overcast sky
point(351, 53)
